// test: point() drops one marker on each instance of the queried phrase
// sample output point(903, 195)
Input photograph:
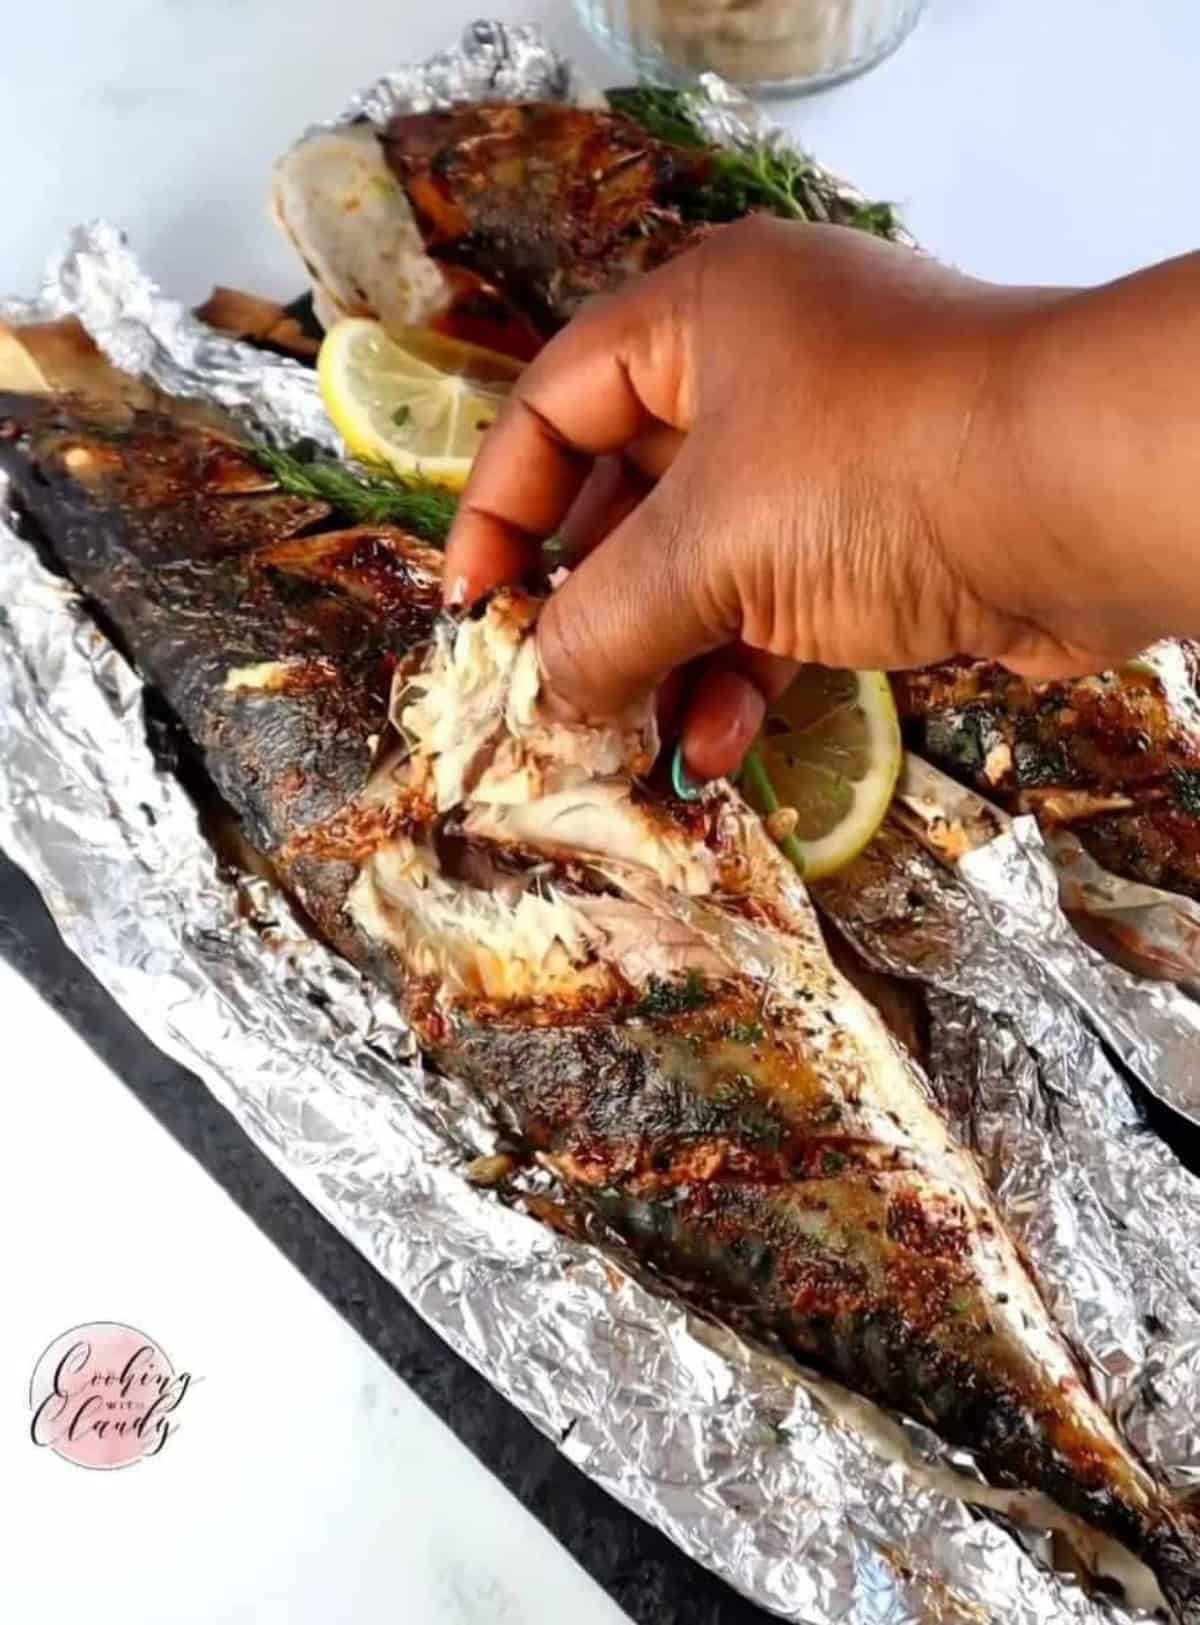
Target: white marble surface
point(305, 1485)
point(1025, 140)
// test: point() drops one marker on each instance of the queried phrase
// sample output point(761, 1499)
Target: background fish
point(550, 203)
point(1115, 758)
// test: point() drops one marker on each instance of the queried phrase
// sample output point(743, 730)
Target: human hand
point(793, 443)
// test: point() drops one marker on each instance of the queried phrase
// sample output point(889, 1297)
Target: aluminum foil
point(498, 62)
point(146, 333)
point(817, 1508)
point(1041, 891)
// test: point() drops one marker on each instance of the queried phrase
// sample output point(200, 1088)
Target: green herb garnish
point(401, 415)
point(746, 1032)
point(832, 1162)
point(373, 494)
point(672, 998)
point(732, 1091)
point(365, 495)
point(1185, 790)
point(877, 218)
point(749, 176)
point(760, 1128)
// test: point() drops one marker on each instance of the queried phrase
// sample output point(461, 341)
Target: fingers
point(524, 480)
point(609, 377)
point(726, 708)
point(614, 488)
point(610, 494)
point(640, 604)
point(723, 719)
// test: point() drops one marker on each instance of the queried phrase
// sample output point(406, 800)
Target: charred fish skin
point(274, 648)
point(855, 1258)
point(1115, 758)
point(551, 203)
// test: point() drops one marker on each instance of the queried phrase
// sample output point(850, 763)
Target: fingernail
point(456, 594)
point(685, 786)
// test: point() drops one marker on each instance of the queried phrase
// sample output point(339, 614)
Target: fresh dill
point(746, 1032)
point(373, 494)
point(750, 176)
point(760, 1129)
point(364, 494)
point(1185, 790)
point(733, 1091)
point(663, 998)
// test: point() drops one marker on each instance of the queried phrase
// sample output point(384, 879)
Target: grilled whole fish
point(638, 985)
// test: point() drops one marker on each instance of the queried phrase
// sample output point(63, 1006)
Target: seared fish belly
point(1115, 758)
point(638, 985)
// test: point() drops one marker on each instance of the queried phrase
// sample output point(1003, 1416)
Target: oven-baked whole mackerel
point(637, 985)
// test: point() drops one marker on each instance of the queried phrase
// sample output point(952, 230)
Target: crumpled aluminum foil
point(499, 62)
point(735, 1455)
point(1105, 1211)
point(1148, 1013)
point(147, 333)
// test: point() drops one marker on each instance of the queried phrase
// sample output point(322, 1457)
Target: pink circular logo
point(104, 1395)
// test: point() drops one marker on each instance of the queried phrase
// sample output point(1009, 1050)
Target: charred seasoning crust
point(550, 203)
point(204, 570)
point(1118, 737)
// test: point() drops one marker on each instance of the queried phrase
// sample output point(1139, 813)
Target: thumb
point(646, 600)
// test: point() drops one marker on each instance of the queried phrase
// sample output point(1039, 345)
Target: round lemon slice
point(416, 401)
point(825, 767)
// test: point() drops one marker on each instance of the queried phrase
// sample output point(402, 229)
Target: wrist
point(1005, 514)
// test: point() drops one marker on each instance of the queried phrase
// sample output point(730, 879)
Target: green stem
point(757, 781)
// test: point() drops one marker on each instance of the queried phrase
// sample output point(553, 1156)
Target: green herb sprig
point(373, 494)
point(752, 176)
point(663, 998)
point(757, 783)
point(1185, 790)
point(363, 494)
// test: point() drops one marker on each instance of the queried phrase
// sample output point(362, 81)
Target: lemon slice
point(416, 401)
point(826, 766)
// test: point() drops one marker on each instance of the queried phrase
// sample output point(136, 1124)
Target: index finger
point(591, 391)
